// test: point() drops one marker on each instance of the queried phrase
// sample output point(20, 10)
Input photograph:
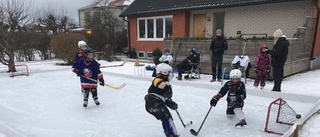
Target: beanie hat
point(277, 33)
point(219, 30)
point(194, 50)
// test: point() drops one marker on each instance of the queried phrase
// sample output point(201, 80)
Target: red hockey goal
point(20, 70)
point(280, 117)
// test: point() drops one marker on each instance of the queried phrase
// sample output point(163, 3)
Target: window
point(149, 55)
point(154, 28)
point(141, 54)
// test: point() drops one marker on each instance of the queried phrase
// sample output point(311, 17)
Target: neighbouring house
point(152, 21)
point(115, 7)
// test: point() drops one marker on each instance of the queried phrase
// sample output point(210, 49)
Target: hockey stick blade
point(193, 132)
point(118, 87)
point(188, 124)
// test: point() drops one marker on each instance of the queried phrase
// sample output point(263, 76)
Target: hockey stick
point(184, 125)
point(114, 87)
point(124, 62)
point(195, 133)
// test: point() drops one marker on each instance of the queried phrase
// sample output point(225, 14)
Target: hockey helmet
point(235, 73)
point(86, 53)
point(165, 71)
point(81, 43)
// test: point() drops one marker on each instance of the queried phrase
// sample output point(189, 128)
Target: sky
point(48, 103)
point(71, 6)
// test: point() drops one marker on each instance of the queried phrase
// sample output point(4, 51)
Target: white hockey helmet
point(164, 69)
point(235, 73)
point(81, 43)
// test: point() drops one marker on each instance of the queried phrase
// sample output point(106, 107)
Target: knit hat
point(219, 30)
point(277, 33)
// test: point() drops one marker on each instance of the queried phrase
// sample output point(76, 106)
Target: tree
point(13, 24)
point(64, 45)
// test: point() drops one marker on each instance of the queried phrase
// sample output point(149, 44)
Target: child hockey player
point(159, 98)
point(236, 93)
point(82, 46)
point(88, 67)
point(261, 67)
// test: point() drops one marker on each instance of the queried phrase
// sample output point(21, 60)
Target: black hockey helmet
point(86, 52)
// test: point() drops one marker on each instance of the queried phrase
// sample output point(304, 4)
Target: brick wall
point(264, 18)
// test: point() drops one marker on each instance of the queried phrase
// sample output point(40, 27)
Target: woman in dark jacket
point(279, 55)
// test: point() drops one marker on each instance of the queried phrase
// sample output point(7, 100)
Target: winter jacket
point(218, 46)
point(279, 53)
point(262, 63)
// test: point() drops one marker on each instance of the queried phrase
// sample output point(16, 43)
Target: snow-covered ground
point(49, 103)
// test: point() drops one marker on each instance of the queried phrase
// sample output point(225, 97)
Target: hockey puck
point(298, 116)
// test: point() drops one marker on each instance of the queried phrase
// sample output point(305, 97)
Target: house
point(115, 7)
point(151, 21)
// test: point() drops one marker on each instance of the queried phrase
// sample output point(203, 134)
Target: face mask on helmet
point(164, 71)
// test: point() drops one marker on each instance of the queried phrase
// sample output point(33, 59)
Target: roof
point(139, 7)
point(114, 3)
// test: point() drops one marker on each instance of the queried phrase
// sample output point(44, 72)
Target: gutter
point(315, 31)
point(128, 29)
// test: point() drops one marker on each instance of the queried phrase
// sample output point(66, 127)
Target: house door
point(218, 22)
point(199, 25)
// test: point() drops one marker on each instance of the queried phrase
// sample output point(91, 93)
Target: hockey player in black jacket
point(159, 98)
point(236, 93)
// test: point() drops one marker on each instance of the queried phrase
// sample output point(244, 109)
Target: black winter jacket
point(218, 46)
point(279, 52)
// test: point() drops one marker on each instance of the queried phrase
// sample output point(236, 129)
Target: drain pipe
point(128, 32)
point(315, 31)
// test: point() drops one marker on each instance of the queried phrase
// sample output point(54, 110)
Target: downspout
point(128, 32)
point(315, 31)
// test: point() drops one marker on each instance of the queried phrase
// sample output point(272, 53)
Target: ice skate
point(262, 88)
point(242, 123)
point(97, 102)
point(85, 103)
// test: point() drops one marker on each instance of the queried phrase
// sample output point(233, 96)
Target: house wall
point(316, 62)
point(180, 29)
point(265, 18)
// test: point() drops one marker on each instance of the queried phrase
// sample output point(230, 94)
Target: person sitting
point(186, 64)
point(166, 57)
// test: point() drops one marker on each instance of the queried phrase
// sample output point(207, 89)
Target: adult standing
point(217, 47)
point(279, 55)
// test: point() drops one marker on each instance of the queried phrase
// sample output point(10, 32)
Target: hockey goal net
point(19, 70)
point(280, 117)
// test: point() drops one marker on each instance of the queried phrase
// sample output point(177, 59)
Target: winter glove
point(214, 101)
point(256, 70)
point(239, 98)
point(101, 82)
point(77, 71)
point(268, 70)
point(171, 104)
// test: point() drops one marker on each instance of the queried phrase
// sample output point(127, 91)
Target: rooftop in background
point(139, 7)
point(114, 3)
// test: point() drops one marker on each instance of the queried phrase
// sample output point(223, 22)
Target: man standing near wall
point(217, 47)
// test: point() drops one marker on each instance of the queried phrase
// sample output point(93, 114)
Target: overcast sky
point(71, 6)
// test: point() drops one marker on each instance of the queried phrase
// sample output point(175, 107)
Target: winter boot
point(241, 123)
point(219, 80)
point(97, 102)
point(169, 135)
point(213, 80)
point(85, 103)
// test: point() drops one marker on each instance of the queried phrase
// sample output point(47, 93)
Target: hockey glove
point(256, 70)
point(77, 71)
point(214, 101)
point(101, 82)
point(171, 104)
point(239, 98)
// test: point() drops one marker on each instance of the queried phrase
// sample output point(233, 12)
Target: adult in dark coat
point(186, 64)
point(217, 47)
point(279, 55)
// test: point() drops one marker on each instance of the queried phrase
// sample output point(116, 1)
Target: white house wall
point(265, 18)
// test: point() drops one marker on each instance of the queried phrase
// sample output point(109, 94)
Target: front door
point(199, 25)
point(218, 22)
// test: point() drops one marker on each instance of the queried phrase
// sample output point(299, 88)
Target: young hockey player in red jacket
point(236, 93)
point(88, 67)
point(261, 67)
point(159, 98)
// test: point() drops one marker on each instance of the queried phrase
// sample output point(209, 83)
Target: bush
point(156, 53)
point(65, 46)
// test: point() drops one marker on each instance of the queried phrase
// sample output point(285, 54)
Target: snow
point(49, 103)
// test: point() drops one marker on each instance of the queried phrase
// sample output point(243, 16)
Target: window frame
point(154, 18)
